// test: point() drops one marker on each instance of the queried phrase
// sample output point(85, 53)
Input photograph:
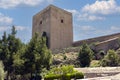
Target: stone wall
point(57, 23)
point(103, 43)
point(61, 29)
point(108, 44)
point(97, 39)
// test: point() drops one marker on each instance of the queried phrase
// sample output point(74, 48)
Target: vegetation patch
point(63, 73)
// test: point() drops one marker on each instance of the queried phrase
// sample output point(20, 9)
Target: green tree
point(4, 51)
point(85, 55)
point(14, 44)
point(111, 59)
point(9, 46)
point(18, 61)
point(4, 48)
point(2, 72)
point(37, 55)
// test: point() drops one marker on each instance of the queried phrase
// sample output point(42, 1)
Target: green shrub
point(72, 75)
point(65, 57)
point(111, 59)
point(79, 75)
point(63, 73)
point(52, 77)
point(65, 77)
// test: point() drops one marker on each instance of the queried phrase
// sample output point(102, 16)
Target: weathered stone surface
point(96, 39)
point(57, 23)
point(107, 45)
point(103, 43)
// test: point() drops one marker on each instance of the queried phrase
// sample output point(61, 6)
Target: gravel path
point(115, 77)
point(101, 73)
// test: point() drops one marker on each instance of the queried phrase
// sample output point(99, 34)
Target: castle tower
point(56, 24)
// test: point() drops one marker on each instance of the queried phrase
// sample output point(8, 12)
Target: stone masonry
point(57, 24)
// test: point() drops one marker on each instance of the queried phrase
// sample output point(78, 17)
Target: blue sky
point(91, 18)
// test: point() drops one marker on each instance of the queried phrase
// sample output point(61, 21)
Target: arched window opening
point(44, 34)
point(62, 21)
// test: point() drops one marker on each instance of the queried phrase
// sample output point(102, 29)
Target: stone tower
point(56, 24)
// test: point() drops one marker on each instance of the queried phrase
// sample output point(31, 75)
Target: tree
point(85, 55)
point(14, 44)
point(2, 72)
point(18, 61)
point(111, 59)
point(9, 46)
point(4, 51)
point(4, 48)
point(37, 55)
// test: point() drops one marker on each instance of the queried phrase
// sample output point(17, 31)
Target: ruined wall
point(97, 39)
point(103, 43)
point(107, 45)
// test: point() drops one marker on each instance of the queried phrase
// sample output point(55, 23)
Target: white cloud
point(92, 12)
point(9, 3)
point(110, 30)
point(4, 28)
point(86, 28)
point(31, 2)
point(5, 19)
point(84, 16)
point(89, 17)
point(92, 31)
point(20, 28)
point(13, 3)
point(73, 11)
point(83, 32)
point(115, 28)
point(102, 7)
point(98, 10)
point(6, 23)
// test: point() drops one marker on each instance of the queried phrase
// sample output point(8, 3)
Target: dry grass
point(69, 56)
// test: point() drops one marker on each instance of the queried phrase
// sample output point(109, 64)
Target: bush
point(65, 77)
point(52, 77)
point(111, 59)
point(69, 76)
point(79, 75)
point(65, 57)
point(2, 73)
point(85, 55)
point(63, 73)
